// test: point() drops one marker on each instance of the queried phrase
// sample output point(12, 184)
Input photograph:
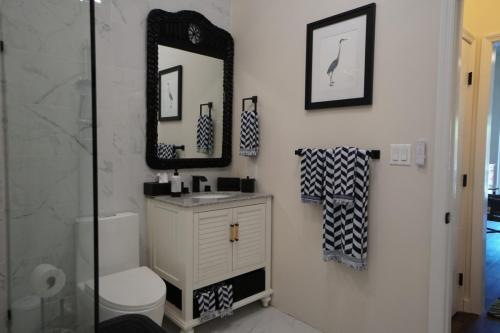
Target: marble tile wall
point(121, 70)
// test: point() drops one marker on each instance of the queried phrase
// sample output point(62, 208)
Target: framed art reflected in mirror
point(170, 81)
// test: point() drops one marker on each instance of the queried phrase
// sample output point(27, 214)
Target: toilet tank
point(118, 245)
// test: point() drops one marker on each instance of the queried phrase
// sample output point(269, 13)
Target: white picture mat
point(349, 75)
point(170, 94)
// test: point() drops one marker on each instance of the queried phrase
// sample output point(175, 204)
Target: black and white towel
point(249, 136)
point(312, 174)
point(225, 295)
point(166, 151)
point(205, 134)
point(207, 305)
point(345, 206)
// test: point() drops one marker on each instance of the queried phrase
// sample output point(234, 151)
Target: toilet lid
point(134, 289)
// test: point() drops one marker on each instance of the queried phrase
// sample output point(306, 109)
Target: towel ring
point(209, 105)
point(254, 101)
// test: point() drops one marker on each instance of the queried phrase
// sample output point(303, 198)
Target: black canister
point(248, 185)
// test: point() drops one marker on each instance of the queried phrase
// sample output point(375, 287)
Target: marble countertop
point(192, 200)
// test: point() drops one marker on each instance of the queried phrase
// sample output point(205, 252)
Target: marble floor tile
point(250, 319)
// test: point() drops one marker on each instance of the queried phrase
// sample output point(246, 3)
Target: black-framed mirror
point(189, 91)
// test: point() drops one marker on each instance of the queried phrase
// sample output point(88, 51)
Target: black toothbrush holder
point(247, 185)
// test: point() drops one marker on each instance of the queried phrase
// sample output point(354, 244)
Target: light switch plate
point(420, 153)
point(401, 154)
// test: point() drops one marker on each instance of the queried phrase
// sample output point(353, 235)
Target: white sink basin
point(211, 196)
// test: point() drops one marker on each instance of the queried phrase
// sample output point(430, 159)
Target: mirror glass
point(191, 95)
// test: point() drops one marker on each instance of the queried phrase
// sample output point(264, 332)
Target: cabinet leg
point(266, 301)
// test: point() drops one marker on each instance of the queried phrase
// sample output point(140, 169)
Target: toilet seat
point(133, 290)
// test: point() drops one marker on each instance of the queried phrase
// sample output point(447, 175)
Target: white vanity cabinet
point(196, 243)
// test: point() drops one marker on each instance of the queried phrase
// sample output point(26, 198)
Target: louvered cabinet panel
point(250, 249)
point(212, 246)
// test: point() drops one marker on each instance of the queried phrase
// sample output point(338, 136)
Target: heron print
point(170, 97)
point(335, 63)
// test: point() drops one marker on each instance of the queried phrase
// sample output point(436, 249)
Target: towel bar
point(374, 154)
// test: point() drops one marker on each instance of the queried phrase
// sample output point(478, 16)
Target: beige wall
point(481, 17)
point(391, 297)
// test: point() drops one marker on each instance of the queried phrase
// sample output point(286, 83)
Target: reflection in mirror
point(190, 119)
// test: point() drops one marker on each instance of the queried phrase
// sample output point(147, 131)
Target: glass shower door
point(47, 105)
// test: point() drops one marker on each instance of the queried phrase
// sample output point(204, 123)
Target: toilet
point(124, 286)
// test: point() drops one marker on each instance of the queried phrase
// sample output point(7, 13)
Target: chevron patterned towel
point(249, 139)
point(207, 305)
point(312, 174)
point(205, 134)
point(345, 206)
point(225, 294)
point(166, 151)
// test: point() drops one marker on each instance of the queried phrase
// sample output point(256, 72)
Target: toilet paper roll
point(47, 280)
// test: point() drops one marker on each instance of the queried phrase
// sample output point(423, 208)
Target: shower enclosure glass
point(47, 105)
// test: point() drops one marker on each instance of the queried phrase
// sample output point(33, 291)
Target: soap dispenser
point(176, 182)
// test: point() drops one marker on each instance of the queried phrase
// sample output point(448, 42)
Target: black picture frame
point(161, 73)
point(193, 32)
point(367, 98)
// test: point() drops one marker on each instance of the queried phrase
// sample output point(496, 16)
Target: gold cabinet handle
point(237, 232)
point(232, 234)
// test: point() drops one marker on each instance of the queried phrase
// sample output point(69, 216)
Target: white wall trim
point(468, 36)
point(443, 198)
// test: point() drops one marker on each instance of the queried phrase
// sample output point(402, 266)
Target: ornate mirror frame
point(193, 32)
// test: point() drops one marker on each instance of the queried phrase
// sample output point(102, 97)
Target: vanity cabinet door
point(250, 248)
point(212, 246)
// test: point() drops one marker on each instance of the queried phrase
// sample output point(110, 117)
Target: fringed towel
point(207, 305)
point(205, 134)
point(312, 174)
point(166, 151)
point(249, 136)
point(345, 206)
point(215, 301)
point(225, 293)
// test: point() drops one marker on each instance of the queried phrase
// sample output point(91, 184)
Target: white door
point(465, 164)
point(250, 246)
point(212, 246)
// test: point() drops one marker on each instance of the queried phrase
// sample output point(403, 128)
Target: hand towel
point(166, 151)
point(249, 134)
point(205, 134)
point(312, 174)
point(225, 294)
point(206, 305)
point(345, 206)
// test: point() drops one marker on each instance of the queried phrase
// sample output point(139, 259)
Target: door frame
point(480, 194)
point(440, 297)
point(464, 238)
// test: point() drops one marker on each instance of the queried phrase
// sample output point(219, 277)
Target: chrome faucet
point(196, 182)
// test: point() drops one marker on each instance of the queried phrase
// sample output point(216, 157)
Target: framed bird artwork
point(339, 60)
point(170, 96)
